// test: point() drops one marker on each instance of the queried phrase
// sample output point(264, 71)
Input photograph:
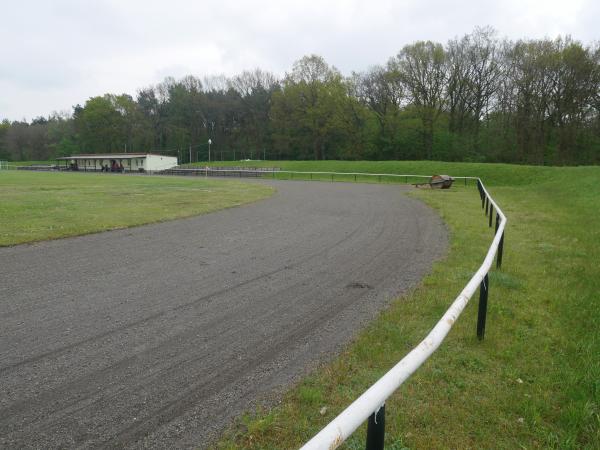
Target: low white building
point(119, 162)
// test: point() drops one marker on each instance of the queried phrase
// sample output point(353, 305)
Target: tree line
point(476, 98)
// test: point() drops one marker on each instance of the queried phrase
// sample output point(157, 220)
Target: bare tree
point(215, 83)
point(313, 69)
point(457, 91)
point(255, 89)
point(249, 82)
point(381, 90)
point(485, 71)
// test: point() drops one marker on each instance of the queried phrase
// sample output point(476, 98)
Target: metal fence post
point(500, 250)
point(482, 311)
point(481, 193)
point(376, 429)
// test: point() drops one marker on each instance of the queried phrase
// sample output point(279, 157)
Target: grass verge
point(534, 382)
point(37, 205)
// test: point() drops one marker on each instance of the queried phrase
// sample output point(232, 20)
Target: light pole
point(209, 142)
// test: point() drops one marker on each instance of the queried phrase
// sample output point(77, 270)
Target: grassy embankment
point(39, 205)
point(534, 382)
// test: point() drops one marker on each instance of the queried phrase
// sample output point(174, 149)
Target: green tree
point(380, 89)
point(101, 126)
point(308, 112)
point(255, 89)
point(575, 83)
point(4, 127)
point(422, 68)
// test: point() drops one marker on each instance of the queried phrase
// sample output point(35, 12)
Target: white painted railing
point(369, 405)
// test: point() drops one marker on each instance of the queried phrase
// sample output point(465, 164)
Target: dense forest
point(476, 98)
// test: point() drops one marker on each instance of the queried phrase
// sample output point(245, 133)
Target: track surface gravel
point(158, 336)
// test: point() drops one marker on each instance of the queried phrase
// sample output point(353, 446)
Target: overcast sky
point(57, 53)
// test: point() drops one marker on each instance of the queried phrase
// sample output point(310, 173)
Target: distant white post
point(209, 142)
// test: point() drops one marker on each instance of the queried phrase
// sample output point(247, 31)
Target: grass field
point(39, 205)
point(534, 382)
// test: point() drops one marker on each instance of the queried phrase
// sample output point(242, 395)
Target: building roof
point(111, 156)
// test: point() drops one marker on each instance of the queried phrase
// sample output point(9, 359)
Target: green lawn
point(39, 205)
point(534, 382)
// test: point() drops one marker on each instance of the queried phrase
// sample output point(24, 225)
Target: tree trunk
point(318, 151)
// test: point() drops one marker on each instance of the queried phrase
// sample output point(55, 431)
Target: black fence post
point(481, 193)
point(482, 312)
point(376, 430)
point(487, 204)
point(497, 223)
point(500, 250)
point(491, 214)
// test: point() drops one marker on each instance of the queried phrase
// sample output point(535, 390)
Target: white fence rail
point(370, 405)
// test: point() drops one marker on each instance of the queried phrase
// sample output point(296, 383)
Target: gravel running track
point(158, 336)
